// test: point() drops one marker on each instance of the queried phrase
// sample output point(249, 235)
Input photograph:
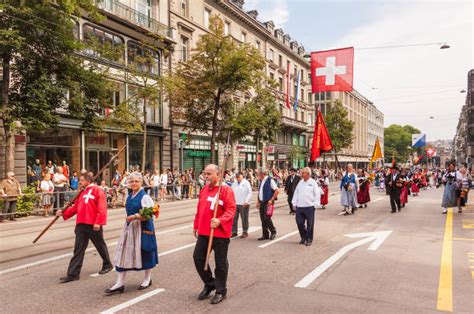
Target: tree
point(397, 141)
point(42, 70)
point(259, 117)
point(202, 90)
point(339, 126)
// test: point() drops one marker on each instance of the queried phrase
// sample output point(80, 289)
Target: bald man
point(222, 225)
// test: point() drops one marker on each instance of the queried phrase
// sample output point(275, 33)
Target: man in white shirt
point(243, 195)
point(267, 194)
point(305, 200)
point(60, 185)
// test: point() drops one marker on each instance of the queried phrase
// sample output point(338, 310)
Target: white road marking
point(378, 199)
point(55, 258)
point(378, 237)
point(133, 301)
point(278, 239)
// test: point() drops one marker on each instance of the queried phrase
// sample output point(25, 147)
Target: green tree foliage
point(259, 117)
point(339, 126)
point(41, 67)
point(397, 142)
point(202, 90)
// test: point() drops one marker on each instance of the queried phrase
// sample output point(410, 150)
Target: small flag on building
point(288, 86)
point(298, 78)
point(321, 140)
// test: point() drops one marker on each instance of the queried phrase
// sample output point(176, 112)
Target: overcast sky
point(409, 85)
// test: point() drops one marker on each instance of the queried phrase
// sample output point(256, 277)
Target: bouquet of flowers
point(148, 212)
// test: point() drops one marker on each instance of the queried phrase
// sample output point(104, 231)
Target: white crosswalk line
point(278, 239)
point(133, 301)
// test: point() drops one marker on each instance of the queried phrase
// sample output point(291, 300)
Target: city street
point(393, 268)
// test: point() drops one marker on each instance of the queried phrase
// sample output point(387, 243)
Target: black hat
point(293, 169)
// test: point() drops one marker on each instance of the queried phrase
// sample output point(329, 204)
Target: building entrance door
point(95, 160)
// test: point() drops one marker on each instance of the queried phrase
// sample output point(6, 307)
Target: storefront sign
point(240, 147)
point(271, 149)
point(281, 156)
point(199, 153)
point(242, 156)
point(270, 158)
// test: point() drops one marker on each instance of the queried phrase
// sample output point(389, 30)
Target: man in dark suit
point(290, 186)
point(394, 188)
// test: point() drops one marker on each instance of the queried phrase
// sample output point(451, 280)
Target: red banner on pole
point(321, 140)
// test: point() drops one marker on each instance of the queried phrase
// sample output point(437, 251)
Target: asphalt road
point(417, 261)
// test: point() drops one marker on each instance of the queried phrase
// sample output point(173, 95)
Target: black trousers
point(290, 198)
point(395, 200)
point(267, 223)
point(220, 246)
point(305, 222)
point(84, 233)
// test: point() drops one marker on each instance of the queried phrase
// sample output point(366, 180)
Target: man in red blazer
point(203, 222)
point(91, 210)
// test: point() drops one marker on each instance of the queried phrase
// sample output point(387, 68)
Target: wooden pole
point(77, 195)
point(216, 204)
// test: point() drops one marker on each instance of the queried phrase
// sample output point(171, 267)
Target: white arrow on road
point(376, 238)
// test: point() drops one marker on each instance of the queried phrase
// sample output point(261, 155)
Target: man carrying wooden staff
point(91, 210)
point(222, 225)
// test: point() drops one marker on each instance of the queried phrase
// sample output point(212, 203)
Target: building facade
point(127, 26)
point(463, 143)
point(375, 128)
point(191, 20)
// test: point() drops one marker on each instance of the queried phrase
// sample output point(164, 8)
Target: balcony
point(125, 12)
point(289, 122)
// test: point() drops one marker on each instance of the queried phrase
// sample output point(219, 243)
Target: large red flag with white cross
point(332, 70)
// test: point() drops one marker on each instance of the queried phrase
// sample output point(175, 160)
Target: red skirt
point(325, 196)
point(404, 196)
point(415, 188)
point(363, 196)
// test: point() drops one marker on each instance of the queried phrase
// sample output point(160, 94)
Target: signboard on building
point(271, 149)
point(281, 156)
point(270, 158)
point(199, 153)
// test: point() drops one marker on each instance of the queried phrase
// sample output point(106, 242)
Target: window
point(184, 7)
point(257, 45)
point(280, 84)
point(272, 76)
point(184, 48)
point(270, 54)
point(207, 15)
point(144, 58)
point(144, 12)
point(95, 37)
point(226, 28)
point(295, 71)
point(280, 60)
point(302, 94)
point(244, 37)
point(310, 97)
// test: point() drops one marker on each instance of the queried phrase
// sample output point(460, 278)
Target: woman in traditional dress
point(324, 183)
point(348, 191)
point(464, 187)
point(451, 181)
point(415, 188)
point(363, 194)
point(137, 249)
point(47, 188)
point(404, 191)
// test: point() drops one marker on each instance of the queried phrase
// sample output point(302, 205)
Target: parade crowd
point(221, 206)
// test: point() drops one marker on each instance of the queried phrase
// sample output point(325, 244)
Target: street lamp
point(444, 46)
point(462, 91)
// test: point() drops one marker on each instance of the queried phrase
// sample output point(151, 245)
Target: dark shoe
point(302, 241)
point(399, 209)
point(116, 290)
point(262, 238)
point(68, 279)
point(273, 235)
point(308, 243)
point(205, 293)
point(460, 210)
point(393, 211)
point(105, 270)
point(233, 235)
point(218, 298)
point(144, 287)
point(365, 205)
point(13, 219)
point(244, 235)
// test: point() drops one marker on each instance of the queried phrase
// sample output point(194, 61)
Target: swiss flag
point(332, 70)
point(430, 152)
